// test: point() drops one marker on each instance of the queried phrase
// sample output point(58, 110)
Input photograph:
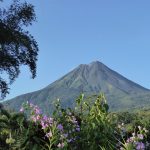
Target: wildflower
point(78, 129)
point(140, 136)
point(128, 140)
point(50, 120)
point(21, 109)
point(37, 110)
point(133, 134)
point(44, 125)
point(34, 119)
point(45, 118)
point(132, 139)
point(49, 134)
point(60, 127)
point(70, 140)
point(140, 146)
point(38, 117)
point(60, 145)
point(65, 135)
point(74, 120)
point(139, 127)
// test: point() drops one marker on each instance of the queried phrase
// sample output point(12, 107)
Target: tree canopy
point(17, 46)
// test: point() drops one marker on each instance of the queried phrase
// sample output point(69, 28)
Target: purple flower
point(45, 118)
point(70, 140)
point(78, 129)
point(60, 127)
point(49, 120)
point(44, 126)
point(65, 135)
point(140, 146)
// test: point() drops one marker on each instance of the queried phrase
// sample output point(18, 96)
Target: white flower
point(139, 127)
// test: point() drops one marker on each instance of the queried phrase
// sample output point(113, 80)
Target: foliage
point(88, 126)
point(17, 46)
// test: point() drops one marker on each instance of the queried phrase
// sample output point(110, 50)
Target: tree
point(17, 46)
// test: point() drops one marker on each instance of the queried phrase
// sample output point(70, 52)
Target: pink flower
point(38, 117)
point(33, 118)
point(140, 136)
point(21, 109)
point(61, 145)
point(37, 110)
point(49, 134)
point(44, 125)
point(50, 120)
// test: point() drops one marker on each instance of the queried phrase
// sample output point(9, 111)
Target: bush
point(88, 126)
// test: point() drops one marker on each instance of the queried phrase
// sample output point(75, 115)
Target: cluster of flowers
point(75, 123)
point(50, 126)
point(137, 140)
point(73, 128)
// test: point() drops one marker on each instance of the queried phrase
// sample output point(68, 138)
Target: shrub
point(88, 126)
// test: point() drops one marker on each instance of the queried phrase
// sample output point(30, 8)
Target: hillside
point(92, 78)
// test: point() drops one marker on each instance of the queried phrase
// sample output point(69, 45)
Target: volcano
point(89, 79)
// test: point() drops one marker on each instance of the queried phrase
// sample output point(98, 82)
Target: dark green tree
point(17, 46)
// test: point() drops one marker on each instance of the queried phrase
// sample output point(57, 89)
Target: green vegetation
point(87, 126)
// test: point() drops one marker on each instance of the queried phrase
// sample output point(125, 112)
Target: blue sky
point(73, 32)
